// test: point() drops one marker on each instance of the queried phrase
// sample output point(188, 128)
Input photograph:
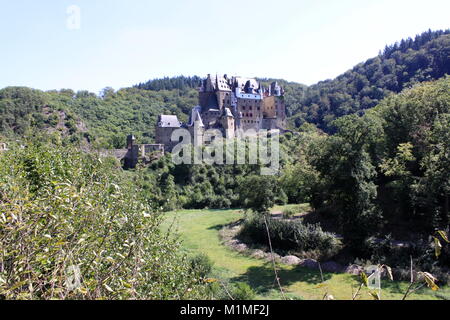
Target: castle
point(231, 105)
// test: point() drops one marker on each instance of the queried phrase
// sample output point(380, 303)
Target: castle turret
point(196, 126)
point(228, 123)
point(131, 157)
point(131, 139)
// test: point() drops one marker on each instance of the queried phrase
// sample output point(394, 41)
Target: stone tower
point(131, 158)
point(196, 127)
point(228, 123)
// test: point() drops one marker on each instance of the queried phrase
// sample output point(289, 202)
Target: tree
point(349, 189)
point(258, 193)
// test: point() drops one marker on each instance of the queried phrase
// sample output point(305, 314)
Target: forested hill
point(180, 83)
point(410, 61)
point(104, 120)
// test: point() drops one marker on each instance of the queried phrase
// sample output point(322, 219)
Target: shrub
point(224, 290)
point(74, 227)
point(289, 213)
point(201, 265)
point(242, 291)
point(290, 235)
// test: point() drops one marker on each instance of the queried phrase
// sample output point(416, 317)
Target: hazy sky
point(119, 43)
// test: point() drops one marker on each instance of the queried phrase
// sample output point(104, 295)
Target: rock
point(241, 247)
point(276, 257)
point(354, 269)
point(258, 254)
point(310, 264)
point(291, 260)
point(332, 266)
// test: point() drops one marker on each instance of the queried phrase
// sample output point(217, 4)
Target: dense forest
point(399, 66)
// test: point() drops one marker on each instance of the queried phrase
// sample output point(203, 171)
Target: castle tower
point(228, 124)
point(131, 158)
point(196, 127)
point(131, 139)
point(207, 96)
point(223, 92)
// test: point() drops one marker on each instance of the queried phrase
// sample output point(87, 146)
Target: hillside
point(103, 120)
point(23, 110)
point(399, 66)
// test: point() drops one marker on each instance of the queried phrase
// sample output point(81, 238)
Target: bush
point(242, 291)
point(74, 227)
point(290, 236)
point(289, 213)
point(224, 290)
point(201, 265)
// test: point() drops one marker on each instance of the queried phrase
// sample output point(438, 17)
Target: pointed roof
point(196, 117)
point(227, 113)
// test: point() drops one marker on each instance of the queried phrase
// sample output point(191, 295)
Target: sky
point(93, 44)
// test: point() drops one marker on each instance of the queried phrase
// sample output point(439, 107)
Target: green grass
point(199, 232)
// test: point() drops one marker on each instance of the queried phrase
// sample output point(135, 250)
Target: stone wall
point(164, 137)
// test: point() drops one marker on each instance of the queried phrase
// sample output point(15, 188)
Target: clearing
point(199, 232)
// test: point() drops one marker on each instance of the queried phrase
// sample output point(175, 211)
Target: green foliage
point(175, 83)
point(299, 178)
point(225, 290)
point(67, 217)
point(201, 265)
point(290, 236)
point(242, 291)
point(195, 186)
point(400, 66)
point(388, 166)
point(289, 213)
point(114, 115)
point(259, 193)
point(23, 110)
point(347, 190)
